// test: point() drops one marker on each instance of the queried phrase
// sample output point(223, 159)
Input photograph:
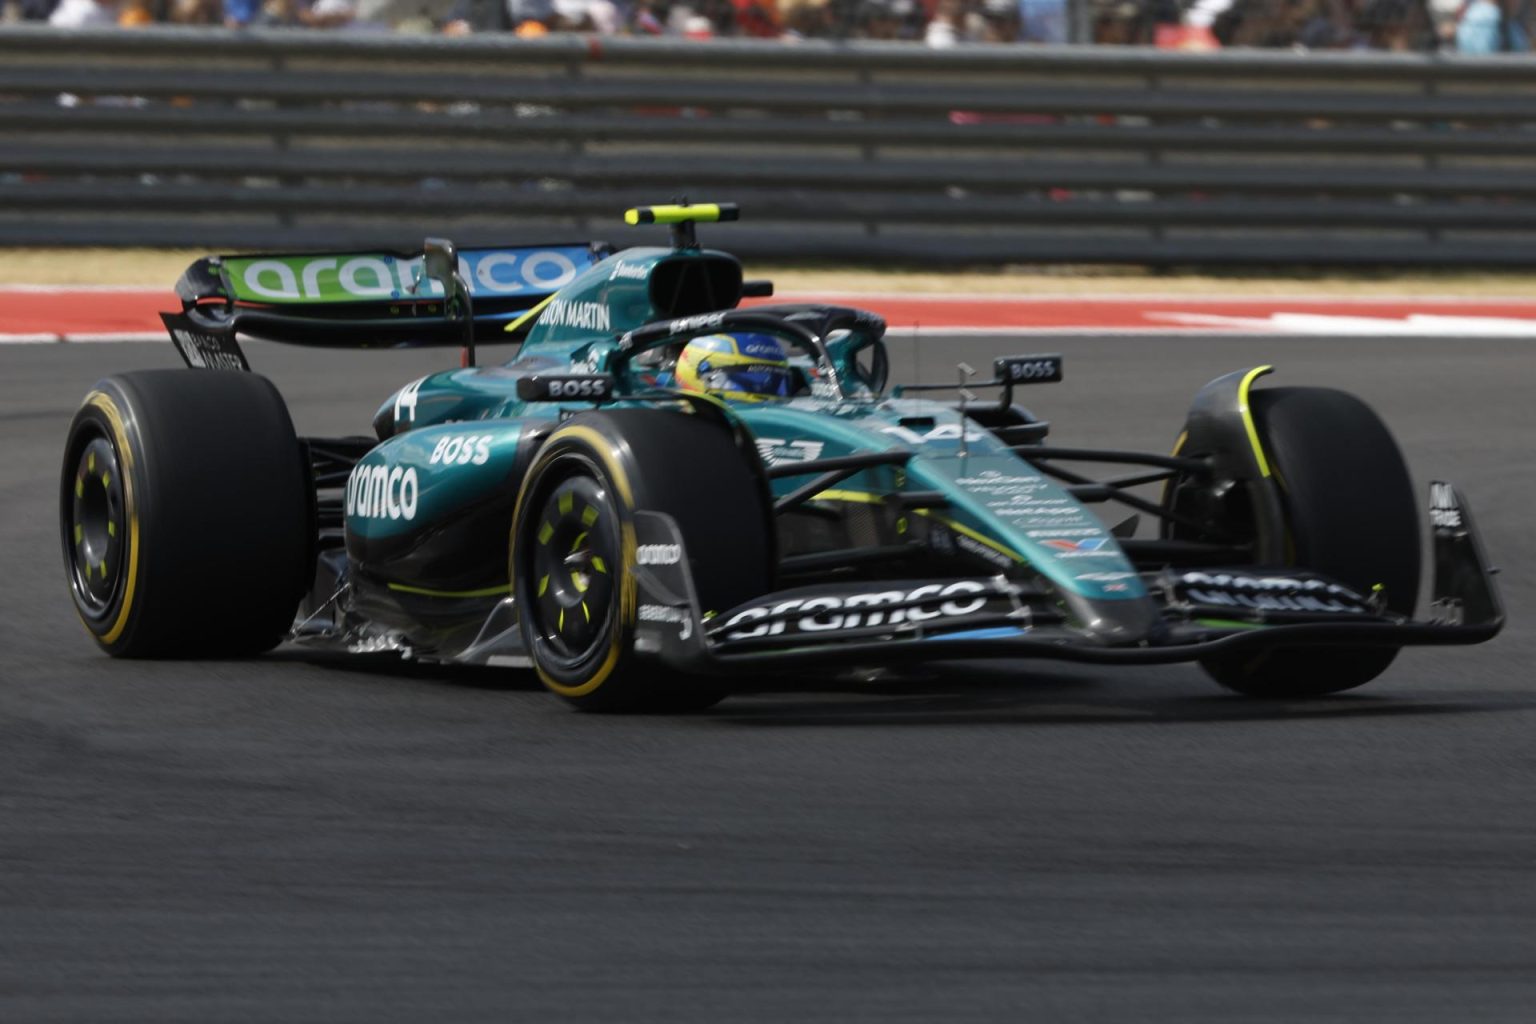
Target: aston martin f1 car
point(612, 510)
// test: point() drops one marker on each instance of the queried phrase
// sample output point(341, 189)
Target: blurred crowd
point(1468, 26)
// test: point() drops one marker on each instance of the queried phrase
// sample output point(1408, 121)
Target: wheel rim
point(574, 558)
point(97, 522)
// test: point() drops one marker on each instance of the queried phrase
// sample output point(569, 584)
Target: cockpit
point(764, 353)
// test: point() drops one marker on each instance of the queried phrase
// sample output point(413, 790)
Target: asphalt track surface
point(285, 840)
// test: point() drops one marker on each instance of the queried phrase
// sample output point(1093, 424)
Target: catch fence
point(854, 151)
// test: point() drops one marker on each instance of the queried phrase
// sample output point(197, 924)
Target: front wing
point(1203, 613)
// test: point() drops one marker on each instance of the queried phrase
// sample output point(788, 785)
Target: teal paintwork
point(1001, 508)
point(426, 476)
point(604, 301)
point(997, 499)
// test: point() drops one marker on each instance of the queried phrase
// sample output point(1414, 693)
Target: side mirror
point(874, 366)
point(440, 263)
point(863, 356)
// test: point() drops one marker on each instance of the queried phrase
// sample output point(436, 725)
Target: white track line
point(1312, 324)
point(95, 338)
point(1188, 323)
point(1450, 327)
point(66, 289)
point(115, 336)
point(1405, 299)
point(894, 331)
point(1280, 327)
point(1269, 299)
point(918, 331)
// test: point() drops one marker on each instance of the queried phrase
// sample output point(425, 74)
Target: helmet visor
point(750, 378)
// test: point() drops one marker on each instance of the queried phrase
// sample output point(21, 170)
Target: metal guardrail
point(872, 152)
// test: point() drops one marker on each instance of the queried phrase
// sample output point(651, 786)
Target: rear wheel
point(573, 548)
point(1350, 514)
point(185, 514)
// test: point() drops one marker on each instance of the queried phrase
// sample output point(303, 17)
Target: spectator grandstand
point(1468, 26)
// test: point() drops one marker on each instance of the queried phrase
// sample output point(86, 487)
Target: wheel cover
point(574, 559)
point(97, 527)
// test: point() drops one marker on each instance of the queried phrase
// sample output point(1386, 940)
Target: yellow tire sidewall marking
point(103, 403)
point(1247, 415)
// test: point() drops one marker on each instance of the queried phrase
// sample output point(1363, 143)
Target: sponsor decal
point(972, 546)
point(824, 612)
point(541, 387)
point(382, 492)
point(463, 450)
point(1012, 488)
point(695, 323)
point(990, 481)
point(762, 348)
point(664, 613)
point(1085, 546)
point(623, 271)
point(824, 389)
point(1444, 509)
point(587, 316)
point(1028, 369)
point(1270, 593)
point(1031, 496)
point(774, 450)
point(208, 351)
point(658, 554)
point(578, 387)
point(1055, 532)
point(1056, 526)
point(1019, 504)
point(374, 276)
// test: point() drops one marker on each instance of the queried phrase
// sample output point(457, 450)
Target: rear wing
point(362, 299)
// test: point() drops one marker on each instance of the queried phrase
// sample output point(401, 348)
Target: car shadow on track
point(977, 694)
point(392, 666)
point(965, 696)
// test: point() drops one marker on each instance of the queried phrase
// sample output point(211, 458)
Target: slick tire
point(573, 548)
point(1350, 514)
point(185, 514)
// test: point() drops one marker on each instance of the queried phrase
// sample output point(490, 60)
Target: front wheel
point(574, 548)
point(1349, 513)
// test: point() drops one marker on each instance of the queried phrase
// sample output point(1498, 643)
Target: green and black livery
point(571, 511)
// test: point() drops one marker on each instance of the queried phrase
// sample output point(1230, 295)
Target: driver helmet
point(744, 367)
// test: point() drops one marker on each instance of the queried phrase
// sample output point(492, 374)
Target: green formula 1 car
point(665, 488)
